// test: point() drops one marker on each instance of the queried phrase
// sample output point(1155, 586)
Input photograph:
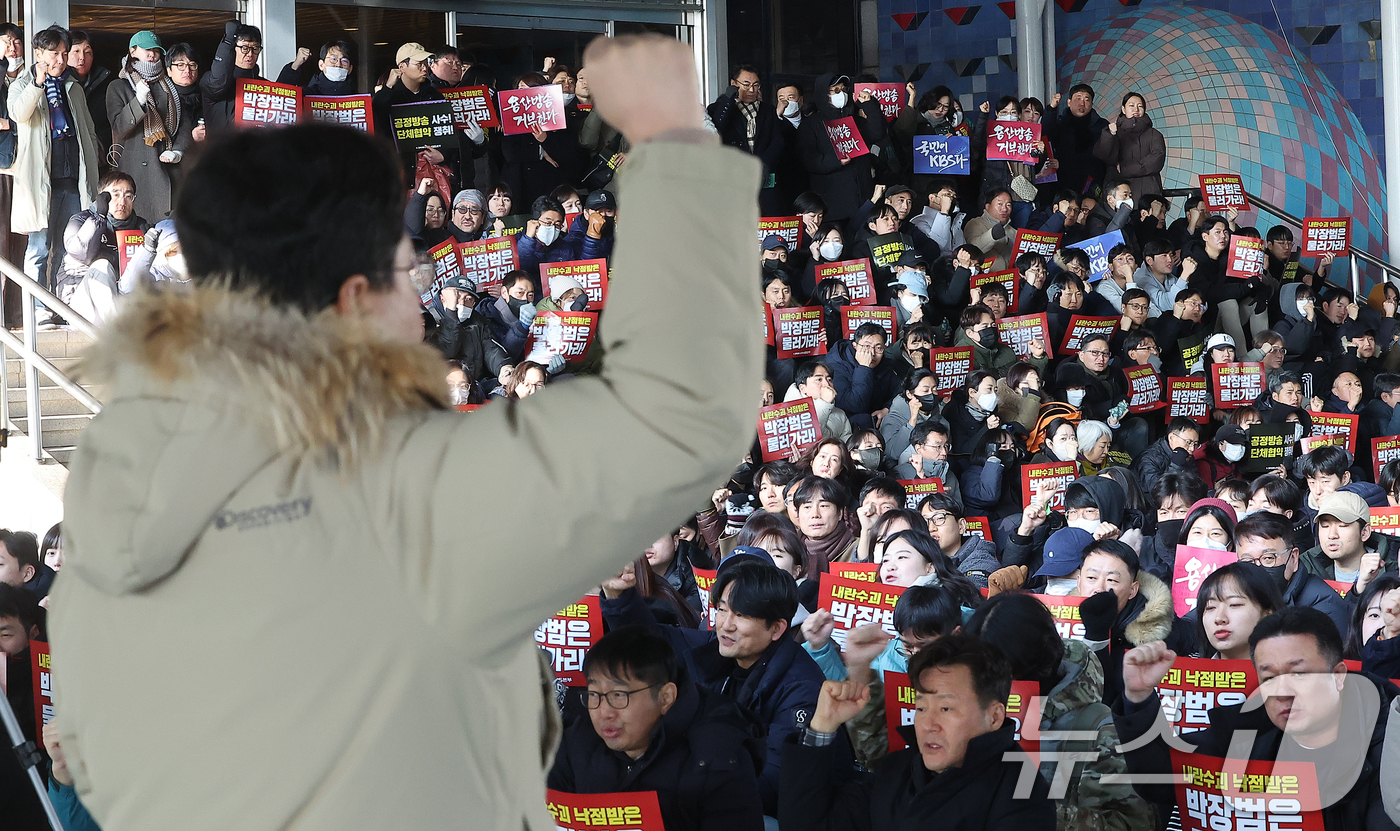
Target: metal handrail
point(1353, 252)
point(34, 363)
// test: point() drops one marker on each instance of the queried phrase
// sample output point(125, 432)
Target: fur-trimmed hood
point(203, 388)
point(1153, 621)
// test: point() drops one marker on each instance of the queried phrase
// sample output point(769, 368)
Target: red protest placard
point(1308, 444)
point(591, 274)
point(1217, 794)
point(569, 635)
point(1044, 243)
point(855, 603)
point(855, 274)
point(487, 261)
point(629, 811)
point(532, 108)
point(265, 103)
point(1188, 398)
point(1386, 520)
point(1342, 589)
point(916, 489)
point(899, 707)
point(798, 332)
point(1326, 236)
point(471, 105)
point(1023, 708)
point(951, 365)
point(445, 267)
point(1237, 384)
point(846, 138)
point(979, 526)
point(1193, 566)
point(1194, 685)
point(1144, 389)
point(569, 334)
point(784, 426)
point(1009, 278)
point(853, 317)
point(705, 580)
point(1018, 332)
point(1081, 327)
point(864, 572)
point(1223, 191)
point(127, 243)
point(1012, 141)
point(767, 324)
point(787, 227)
point(1246, 257)
point(1048, 476)
point(41, 666)
point(890, 96)
point(1065, 611)
point(1383, 450)
point(355, 111)
point(1343, 425)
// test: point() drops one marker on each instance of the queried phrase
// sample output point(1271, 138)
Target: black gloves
point(1098, 613)
point(152, 239)
point(231, 31)
point(100, 204)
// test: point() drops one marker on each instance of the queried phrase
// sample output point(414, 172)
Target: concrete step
point(14, 369)
point(58, 343)
point(52, 402)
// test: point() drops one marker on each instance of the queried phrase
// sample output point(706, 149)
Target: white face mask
point(1005, 117)
point(957, 119)
point(337, 74)
point(1090, 525)
point(1065, 451)
point(831, 249)
point(839, 100)
point(176, 264)
point(1233, 452)
point(1126, 203)
point(569, 97)
point(547, 234)
point(987, 401)
point(1075, 397)
point(791, 109)
point(1303, 307)
point(464, 312)
point(910, 301)
point(1061, 586)
point(1213, 545)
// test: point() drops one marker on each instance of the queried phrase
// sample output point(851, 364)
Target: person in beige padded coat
point(292, 598)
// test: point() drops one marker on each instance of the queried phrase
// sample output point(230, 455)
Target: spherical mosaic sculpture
point(1231, 97)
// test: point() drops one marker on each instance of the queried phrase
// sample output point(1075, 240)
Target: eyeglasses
point(248, 49)
point(939, 519)
point(432, 210)
point(337, 61)
point(468, 209)
point(617, 699)
point(1097, 353)
point(1268, 558)
point(1152, 349)
point(909, 650)
point(185, 66)
point(1140, 307)
point(747, 85)
point(1191, 444)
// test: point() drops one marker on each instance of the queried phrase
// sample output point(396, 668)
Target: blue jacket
point(781, 690)
point(532, 253)
point(860, 390)
point(70, 811)
point(585, 247)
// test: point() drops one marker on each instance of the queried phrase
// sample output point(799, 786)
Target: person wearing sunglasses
point(651, 728)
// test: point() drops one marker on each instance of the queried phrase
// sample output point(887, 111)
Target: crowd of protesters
point(735, 703)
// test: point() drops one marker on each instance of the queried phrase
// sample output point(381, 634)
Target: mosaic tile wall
point(1328, 46)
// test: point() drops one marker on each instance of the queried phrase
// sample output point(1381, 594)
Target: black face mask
point(774, 265)
point(1169, 531)
point(837, 302)
point(930, 402)
point(515, 305)
point(988, 337)
point(579, 303)
point(607, 229)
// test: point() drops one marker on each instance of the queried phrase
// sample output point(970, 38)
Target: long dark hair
point(1380, 585)
point(654, 586)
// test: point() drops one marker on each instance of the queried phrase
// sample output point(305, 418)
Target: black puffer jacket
point(218, 86)
point(470, 342)
point(703, 763)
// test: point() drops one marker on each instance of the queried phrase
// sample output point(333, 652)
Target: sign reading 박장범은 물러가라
point(354, 111)
point(265, 103)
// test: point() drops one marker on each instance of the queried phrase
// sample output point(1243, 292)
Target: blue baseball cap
point(1064, 552)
